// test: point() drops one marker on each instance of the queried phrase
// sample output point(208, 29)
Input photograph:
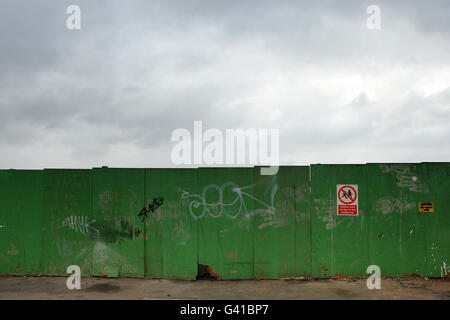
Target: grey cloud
point(138, 70)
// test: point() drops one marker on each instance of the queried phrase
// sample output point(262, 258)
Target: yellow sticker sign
point(426, 207)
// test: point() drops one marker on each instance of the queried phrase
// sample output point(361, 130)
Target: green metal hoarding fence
point(164, 223)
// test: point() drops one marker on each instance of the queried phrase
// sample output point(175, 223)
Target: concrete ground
point(132, 288)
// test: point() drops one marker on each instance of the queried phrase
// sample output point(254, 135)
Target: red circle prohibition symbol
point(351, 199)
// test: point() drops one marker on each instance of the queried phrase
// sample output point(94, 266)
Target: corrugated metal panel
point(171, 232)
point(69, 231)
point(437, 179)
point(397, 230)
point(339, 243)
point(118, 197)
point(21, 218)
point(225, 222)
point(282, 223)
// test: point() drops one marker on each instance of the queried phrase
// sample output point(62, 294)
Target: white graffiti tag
point(79, 224)
point(200, 207)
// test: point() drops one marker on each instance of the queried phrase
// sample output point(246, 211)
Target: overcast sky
point(113, 92)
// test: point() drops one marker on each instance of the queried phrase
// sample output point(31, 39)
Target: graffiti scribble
point(155, 204)
point(230, 209)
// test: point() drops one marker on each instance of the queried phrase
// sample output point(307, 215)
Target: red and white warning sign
point(347, 199)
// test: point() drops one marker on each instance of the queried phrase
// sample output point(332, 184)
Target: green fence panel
point(339, 243)
point(69, 229)
point(436, 177)
point(118, 197)
point(281, 223)
point(303, 250)
point(6, 266)
point(21, 220)
point(397, 230)
point(164, 222)
point(225, 219)
point(171, 240)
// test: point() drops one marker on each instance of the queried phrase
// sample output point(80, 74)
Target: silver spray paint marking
point(79, 224)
